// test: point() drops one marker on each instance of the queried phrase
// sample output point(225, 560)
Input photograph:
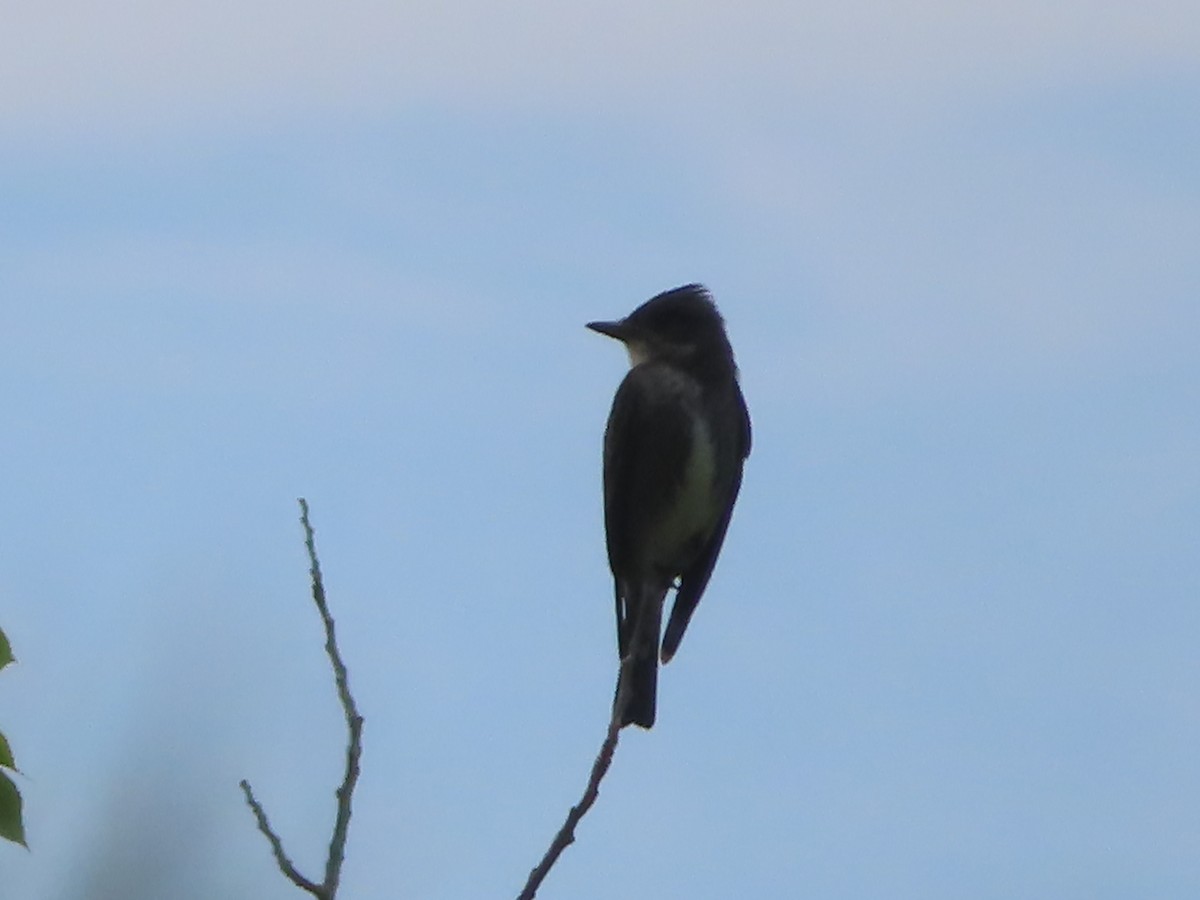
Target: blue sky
point(256, 251)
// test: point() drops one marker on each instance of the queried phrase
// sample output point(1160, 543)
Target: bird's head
point(681, 326)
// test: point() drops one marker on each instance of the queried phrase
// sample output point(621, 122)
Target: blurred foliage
point(11, 826)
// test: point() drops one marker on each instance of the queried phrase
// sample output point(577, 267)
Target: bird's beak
point(618, 329)
point(631, 336)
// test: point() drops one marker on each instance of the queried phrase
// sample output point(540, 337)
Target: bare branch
point(327, 890)
point(285, 864)
point(566, 834)
point(354, 722)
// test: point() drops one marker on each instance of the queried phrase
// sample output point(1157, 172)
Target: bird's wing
point(646, 445)
point(695, 579)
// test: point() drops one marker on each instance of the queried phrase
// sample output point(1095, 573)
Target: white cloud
point(186, 316)
point(149, 61)
point(966, 251)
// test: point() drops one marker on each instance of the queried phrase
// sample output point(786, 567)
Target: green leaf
point(6, 754)
point(11, 827)
point(5, 651)
point(6, 757)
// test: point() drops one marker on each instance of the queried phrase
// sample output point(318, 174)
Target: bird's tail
point(639, 670)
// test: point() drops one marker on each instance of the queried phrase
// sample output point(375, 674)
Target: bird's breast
point(689, 517)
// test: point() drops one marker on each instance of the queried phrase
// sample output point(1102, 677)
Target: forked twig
point(327, 889)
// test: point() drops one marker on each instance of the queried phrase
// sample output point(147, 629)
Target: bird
point(675, 445)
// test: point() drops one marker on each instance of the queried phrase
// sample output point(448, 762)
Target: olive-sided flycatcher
point(676, 439)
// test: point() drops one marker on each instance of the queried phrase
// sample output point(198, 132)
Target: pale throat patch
point(638, 351)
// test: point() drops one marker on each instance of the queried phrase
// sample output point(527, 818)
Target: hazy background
point(260, 250)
